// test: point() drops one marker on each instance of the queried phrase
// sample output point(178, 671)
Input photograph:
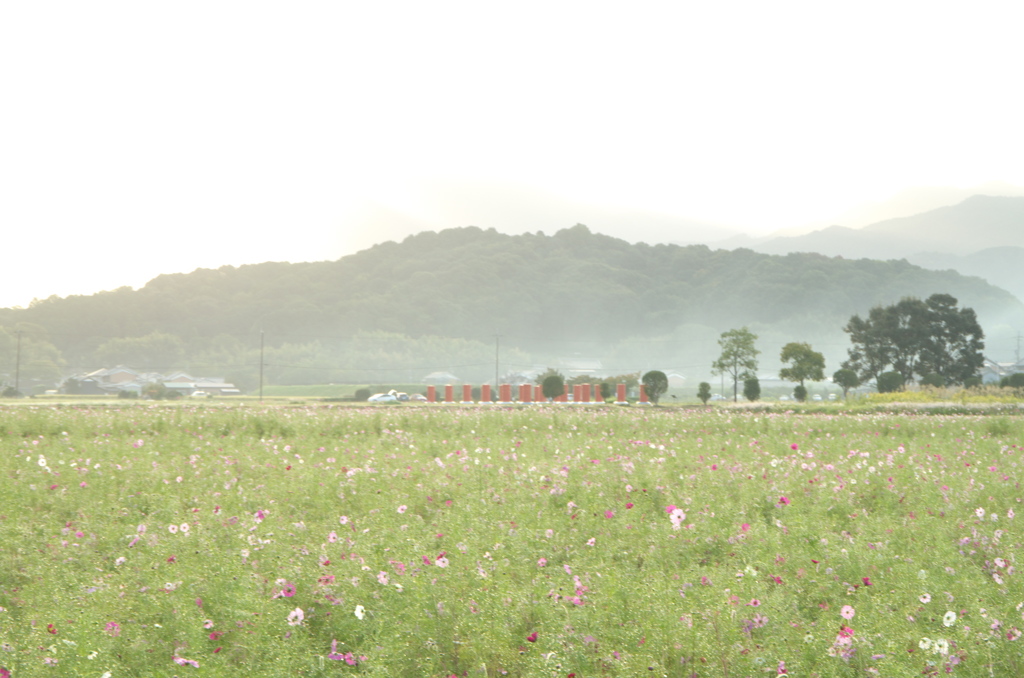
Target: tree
point(1015, 380)
point(751, 389)
point(806, 363)
point(845, 379)
point(655, 384)
point(890, 382)
point(914, 337)
point(800, 393)
point(553, 385)
point(704, 392)
point(739, 357)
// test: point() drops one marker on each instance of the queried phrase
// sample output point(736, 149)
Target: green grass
point(553, 521)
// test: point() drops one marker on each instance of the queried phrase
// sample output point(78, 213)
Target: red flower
point(866, 580)
point(51, 628)
point(532, 637)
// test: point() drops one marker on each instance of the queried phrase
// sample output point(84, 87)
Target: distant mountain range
point(981, 236)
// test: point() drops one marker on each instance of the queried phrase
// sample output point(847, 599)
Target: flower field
point(544, 541)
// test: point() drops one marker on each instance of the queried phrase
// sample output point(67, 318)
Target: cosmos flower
point(296, 617)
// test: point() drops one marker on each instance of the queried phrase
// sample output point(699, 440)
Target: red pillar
point(431, 393)
point(485, 393)
point(620, 394)
point(505, 393)
point(577, 393)
point(467, 393)
point(586, 392)
point(525, 391)
point(538, 393)
point(449, 393)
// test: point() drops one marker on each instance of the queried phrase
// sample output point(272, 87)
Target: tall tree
point(914, 337)
point(655, 384)
point(738, 358)
point(804, 363)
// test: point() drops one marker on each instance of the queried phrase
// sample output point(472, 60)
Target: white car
point(383, 398)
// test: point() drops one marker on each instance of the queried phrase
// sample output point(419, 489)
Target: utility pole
point(261, 366)
point(17, 366)
point(497, 347)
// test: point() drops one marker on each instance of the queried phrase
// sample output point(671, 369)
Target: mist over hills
point(982, 235)
point(573, 295)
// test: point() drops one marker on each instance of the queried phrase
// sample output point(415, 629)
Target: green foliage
point(738, 359)
point(323, 509)
point(806, 363)
point(655, 385)
point(890, 382)
point(1015, 380)
point(800, 393)
point(933, 379)
point(846, 379)
point(362, 395)
point(752, 389)
point(915, 337)
point(704, 392)
point(553, 385)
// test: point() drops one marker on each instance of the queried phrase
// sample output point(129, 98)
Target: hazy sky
point(139, 138)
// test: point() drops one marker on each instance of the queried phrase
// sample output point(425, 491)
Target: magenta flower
point(181, 661)
point(609, 514)
point(532, 637)
point(113, 628)
point(783, 501)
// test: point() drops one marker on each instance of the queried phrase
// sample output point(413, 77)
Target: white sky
point(139, 138)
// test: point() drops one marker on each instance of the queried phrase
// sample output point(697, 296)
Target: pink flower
point(847, 612)
point(744, 527)
point(609, 514)
point(591, 541)
point(794, 446)
point(783, 501)
point(295, 617)
point(332, 537)
point(113, 628)
point(287, 589)
point(532, 637)
point(441, 562)
point(629, 504)
point(181, 661)
point(403, 508)
point(542, 562)
point(866, 580)
point(670, 508)
point(754, 602)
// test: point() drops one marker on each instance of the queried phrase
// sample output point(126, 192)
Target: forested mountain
point(575, 293)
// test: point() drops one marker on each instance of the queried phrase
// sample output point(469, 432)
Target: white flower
point(184, 528)
point(925, 644)
point(295, 617)
point(980, 512)
point(949, 618)
point(173, 529)
point(360, 611)
point(42, 461)
point(940, 646)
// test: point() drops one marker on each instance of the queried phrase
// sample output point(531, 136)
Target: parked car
point(817, 396)
point(199, 394)
point(418, 397)
point(383, 398)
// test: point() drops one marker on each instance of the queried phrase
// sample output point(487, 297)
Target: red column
point(449, 393)
point(620, 394)
point(525, 391)
point(431, 393)
point(643, 394)
point(586, 393)
point(467, 393)
point(538, 393)
point(485, 393)
point(505, 393)
point(577, 393)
